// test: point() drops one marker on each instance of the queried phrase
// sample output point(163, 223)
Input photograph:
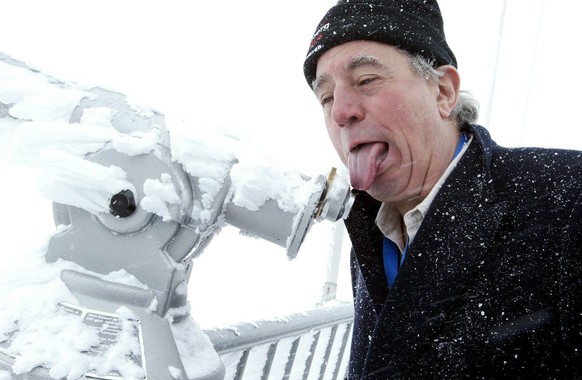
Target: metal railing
point(305, 346)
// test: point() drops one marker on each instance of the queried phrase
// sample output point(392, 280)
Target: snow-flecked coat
point(492, 284)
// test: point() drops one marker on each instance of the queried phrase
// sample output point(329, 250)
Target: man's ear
point(449, 85)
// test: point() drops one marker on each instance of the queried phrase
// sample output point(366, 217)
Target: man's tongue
point(363, 164)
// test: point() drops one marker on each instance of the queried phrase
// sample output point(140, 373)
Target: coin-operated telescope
point(138, 204)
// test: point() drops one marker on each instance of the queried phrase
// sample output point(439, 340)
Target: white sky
point(518, 58)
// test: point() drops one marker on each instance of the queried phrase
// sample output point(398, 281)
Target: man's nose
point(347, 107)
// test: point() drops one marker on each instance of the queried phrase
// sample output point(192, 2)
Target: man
point(466, 259)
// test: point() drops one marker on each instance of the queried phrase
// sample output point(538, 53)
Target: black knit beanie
point(412, 25)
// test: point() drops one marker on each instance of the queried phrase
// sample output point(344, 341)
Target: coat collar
point(440, 263)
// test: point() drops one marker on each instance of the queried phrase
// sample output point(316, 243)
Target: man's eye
point(325, 100)
point(366, 80)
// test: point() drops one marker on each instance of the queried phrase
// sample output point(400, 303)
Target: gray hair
point(467, 108)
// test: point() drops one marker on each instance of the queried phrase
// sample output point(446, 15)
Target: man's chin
point(389, 194)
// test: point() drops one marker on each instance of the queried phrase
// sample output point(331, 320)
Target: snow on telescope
point(133, 193)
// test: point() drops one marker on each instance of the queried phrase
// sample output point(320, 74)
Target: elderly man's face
point(389, 125)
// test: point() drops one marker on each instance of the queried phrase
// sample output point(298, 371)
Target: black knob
point(122, 204)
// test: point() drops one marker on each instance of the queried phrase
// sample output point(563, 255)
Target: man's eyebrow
point(354, 63)
point(362, 60)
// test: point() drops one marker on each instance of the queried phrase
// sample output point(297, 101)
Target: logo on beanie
point(318, 35)
point(314, 50)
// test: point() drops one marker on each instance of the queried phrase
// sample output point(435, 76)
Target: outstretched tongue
point(363, 164)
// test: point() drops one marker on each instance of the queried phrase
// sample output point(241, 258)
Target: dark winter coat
point(492, 284)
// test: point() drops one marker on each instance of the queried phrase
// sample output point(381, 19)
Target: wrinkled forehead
point(345, 58)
